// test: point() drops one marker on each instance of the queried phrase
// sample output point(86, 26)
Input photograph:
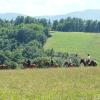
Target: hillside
point(10, 16)
point(50, 84)
point(75, 42)
point(21, 39)
point(86, 14)
point(93, 14)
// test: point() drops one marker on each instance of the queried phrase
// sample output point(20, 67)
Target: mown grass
point(76, 42)
point(50, 84)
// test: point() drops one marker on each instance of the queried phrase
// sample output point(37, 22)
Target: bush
point(58, 60)
point(75, 59)
point(11, 64)
point(42, 62)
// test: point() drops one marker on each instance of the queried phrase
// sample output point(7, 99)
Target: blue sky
point(46, 7)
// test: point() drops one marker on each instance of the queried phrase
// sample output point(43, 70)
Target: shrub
point(42, 62)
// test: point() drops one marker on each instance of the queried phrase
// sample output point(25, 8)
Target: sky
point(46, 7)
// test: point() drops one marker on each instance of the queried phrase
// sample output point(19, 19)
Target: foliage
point(42, 61)
point(76, 25)
point(22, 38)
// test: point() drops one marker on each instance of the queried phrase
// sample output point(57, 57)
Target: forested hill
point(21, 39)
point(24, 37)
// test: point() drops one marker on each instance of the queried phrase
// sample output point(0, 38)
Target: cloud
point(46, 7)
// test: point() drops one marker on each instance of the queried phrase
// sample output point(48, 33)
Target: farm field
point(76, 42)
point(50, 84)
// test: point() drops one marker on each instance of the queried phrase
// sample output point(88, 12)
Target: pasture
point(75, 42)
point(50, 84)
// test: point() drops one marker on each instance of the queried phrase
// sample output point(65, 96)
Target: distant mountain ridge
point(10, 16)
point(86, 14)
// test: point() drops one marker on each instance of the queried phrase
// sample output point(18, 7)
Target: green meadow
point(50, 84)
point(81, 83)
point(76, 42)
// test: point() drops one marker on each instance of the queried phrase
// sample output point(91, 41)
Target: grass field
point(50, 84)
point(76, 42)
point(81, 83)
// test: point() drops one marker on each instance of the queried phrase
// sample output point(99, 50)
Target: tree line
point(76, 25)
